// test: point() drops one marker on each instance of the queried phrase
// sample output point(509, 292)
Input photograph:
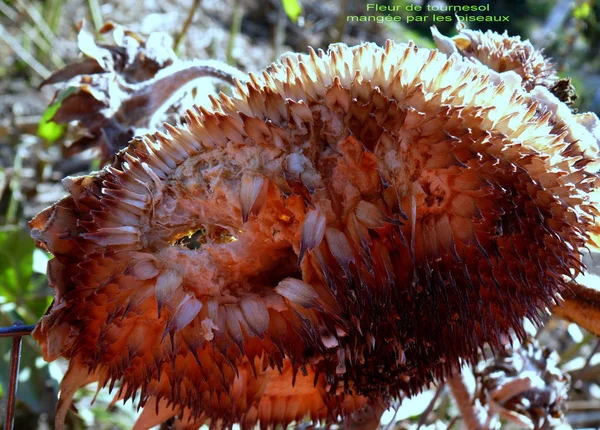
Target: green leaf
point(23, 291)
point(48, 129)
point(95, 164)
point(582, 11)
point(292, 8)
point(16, 262)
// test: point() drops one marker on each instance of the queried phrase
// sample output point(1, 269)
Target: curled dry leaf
point(524, 386)
point(434, 203)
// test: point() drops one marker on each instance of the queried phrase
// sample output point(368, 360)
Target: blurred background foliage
point(37, 38)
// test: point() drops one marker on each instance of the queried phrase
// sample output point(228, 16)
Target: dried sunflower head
point(501, 53)
point(348, 227)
